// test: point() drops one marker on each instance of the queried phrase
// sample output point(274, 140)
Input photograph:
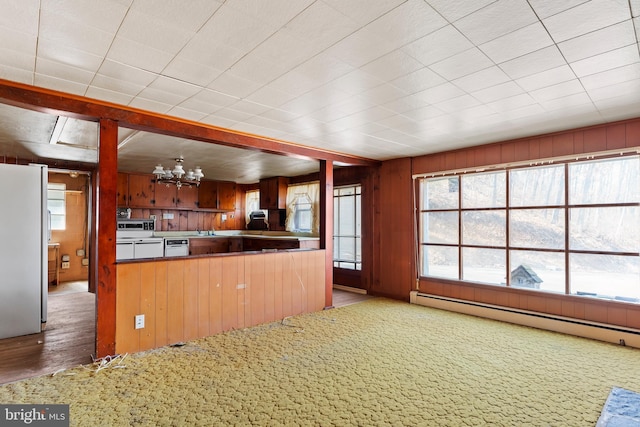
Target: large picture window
point(565, 227)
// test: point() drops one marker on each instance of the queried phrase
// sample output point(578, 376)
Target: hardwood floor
point(68, 340)
point(343, 298)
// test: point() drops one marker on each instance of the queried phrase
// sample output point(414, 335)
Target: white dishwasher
point(176, 247)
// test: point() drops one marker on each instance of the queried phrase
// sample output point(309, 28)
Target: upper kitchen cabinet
point(219, 195)
point(123, 189)
point(141, 191)
point(273, 192)
point(169, 196)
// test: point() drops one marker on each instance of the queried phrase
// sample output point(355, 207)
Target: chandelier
point(178, 176)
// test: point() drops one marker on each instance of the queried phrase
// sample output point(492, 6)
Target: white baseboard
point(582, 328)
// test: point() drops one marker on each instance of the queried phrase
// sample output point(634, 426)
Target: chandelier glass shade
point(178, 176)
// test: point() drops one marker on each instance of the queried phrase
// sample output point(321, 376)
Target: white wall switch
point(80, 252)
point(140, 321)
point(167, 215)
point(224, 217)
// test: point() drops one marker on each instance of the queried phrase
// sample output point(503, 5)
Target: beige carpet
point(379, 362)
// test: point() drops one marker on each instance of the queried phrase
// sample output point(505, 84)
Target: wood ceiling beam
point(79, 107)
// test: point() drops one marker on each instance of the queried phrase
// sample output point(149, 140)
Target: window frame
point(569, 288)
point(52, 189)
point(354, 264)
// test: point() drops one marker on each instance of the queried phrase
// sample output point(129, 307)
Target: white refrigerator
point(23, 253)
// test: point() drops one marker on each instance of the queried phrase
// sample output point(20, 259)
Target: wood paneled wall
point(394, 218)
point(398, 251)
point(185, 299)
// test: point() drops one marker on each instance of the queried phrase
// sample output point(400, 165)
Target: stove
point(134, 240)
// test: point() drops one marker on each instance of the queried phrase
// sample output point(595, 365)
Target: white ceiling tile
point(275, 12)
point(153, 32)
point(230, 27)
point(587, 17)
point(453, 10)
point(571, 87)
point(599, 41)
point(21, 16)
point(630, 88)
point(406, 103)
point(324, 68)
point(59, 84)
point(174, 86)
point(635, 8)
point(567, 102)
point(494, 93)
point(63, 71)
point(208, 101)
point(439, 45)
point(400, 122)
point(16, 74)
point(189, 71)
point(355, 82)
point(440, 93)
point(231, 84)
point(614, 76)
point(514, 102)
point(161, 96)
point(360, 47)
point(101, 93)
point(474, 113)
point(462, 64)
point(424, 113)
point(175, 13)
point(56, 51)
point(527, 111)
point(456, 104)
point(249, 107)
point(418, 80)
point(517, 43)
point(127, 73)
point(382, 94)
point(18, 59)
point(606, 61)
point(280, 115)
point(102, 15)
point(363, 11)
point(138, 55)
point(407, 23)
point(260, 69)
point(74, 34)
point(124, 87)
point(230, 114)
point(268, 95)
point(218, 121)
point(294, 82)
point(310, 25)
point(392, 65)
point(482, 79)
point(546, 8)
point(547, 78)
point(532, 63)
point(495, 20)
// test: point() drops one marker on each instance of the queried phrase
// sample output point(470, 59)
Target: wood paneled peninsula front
point(191, 297)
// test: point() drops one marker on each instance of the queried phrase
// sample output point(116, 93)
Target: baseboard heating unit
point(582, 328)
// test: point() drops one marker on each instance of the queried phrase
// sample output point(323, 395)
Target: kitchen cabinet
point(123, 189)
point(169, 196)
point(142, 189)
point(261, 243)
point(208, 245)
point(273, 192)
point(220, 195)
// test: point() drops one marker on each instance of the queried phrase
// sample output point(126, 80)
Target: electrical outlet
point(140, 321)
point(65, 264)
point(153, 217)
point(167, 215)
point(85, 261)
point(224, 217)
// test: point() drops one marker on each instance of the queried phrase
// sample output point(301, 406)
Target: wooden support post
point(326, 226)
point(106, 182)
